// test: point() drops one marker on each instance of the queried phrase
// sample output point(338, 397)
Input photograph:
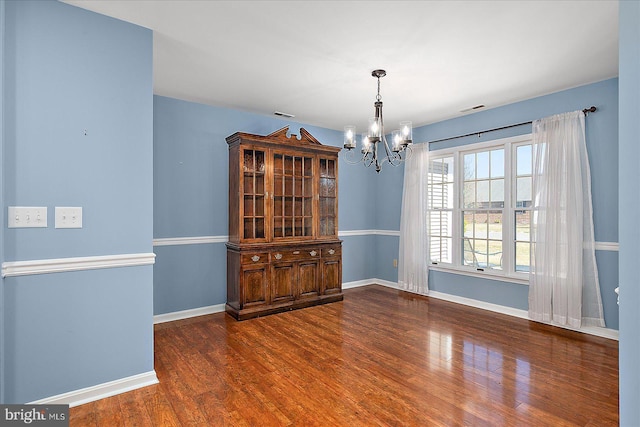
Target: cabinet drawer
point(331, 251)
point(255, 258)
point(295, 254)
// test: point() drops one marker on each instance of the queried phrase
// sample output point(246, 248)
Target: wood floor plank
point(85, 415)
point(381, 357)
point(107, 412)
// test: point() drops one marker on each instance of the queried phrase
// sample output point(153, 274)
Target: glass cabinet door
point(254, 194)
point(328, 197)
point(292, 196)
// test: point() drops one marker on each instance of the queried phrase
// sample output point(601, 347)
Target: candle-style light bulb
point(349, 137)
point(407, 133)
point(374, 129)
point(396, 141)
point(366, 144)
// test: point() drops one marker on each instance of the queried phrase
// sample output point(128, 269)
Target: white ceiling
point(314, 58)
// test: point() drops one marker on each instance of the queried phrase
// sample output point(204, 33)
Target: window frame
point(474, 210)
point(440, 210)
point(507, 273)
point(514, 201)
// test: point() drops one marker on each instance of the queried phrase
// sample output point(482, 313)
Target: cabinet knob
point(313, 253)
point(255, 258)
point(331, 251)
point(278, 256)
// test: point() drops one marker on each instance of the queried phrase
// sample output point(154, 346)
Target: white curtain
point(413, 258)
point(563, 282)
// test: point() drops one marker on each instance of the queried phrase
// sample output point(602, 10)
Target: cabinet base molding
point(249, 313)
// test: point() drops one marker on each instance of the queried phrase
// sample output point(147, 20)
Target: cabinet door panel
point(253, 192)
point(331, 276)
point(254, 286)
point(308, 278)
point(282, 283)
point(292, 195)
point(327, 198)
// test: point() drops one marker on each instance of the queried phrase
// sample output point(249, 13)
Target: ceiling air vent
point(281, 114)
point(477, 107)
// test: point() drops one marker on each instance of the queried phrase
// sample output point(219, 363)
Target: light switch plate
point(27, 217)
point(68, 217)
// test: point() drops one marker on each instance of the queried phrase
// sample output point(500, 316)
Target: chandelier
point(375, 139)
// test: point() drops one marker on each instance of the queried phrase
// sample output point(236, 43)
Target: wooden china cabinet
point(283, 251)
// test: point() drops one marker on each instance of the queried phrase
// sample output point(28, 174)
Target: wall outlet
point(27, 217)
point(68, 217)
point(395, 263)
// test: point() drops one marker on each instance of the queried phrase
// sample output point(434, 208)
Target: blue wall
point(190, 154)
point(191, 178)
point(67, 70)
point(601, 130)
point(629, 67)
point(602, 146)
point(2, 132)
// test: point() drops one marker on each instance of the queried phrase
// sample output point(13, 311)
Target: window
point(440, 202)
point(522, 207)
point(483, 209)
point(479, 203)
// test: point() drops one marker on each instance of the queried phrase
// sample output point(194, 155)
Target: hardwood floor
point(379, 358)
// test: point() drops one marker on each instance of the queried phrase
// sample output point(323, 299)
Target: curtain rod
point(586, 111)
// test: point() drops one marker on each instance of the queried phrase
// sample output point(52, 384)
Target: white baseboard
point(185, 314)
point(365, 282)
point(356, 284)
point(510, 311)
point(515, 312)
point(112, 388)
point(386, 283)
point(218, 308)
point(496, 308)
point(100, 391)
point(522, 314)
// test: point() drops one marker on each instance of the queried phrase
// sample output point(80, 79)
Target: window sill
point(490, 275)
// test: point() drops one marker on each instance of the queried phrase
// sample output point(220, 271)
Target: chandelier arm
point(387, 150)
point(409, 152)
point(394, 160)
point(367, 158)
point(368, 161)
point(391, 157)
point(349, 158)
